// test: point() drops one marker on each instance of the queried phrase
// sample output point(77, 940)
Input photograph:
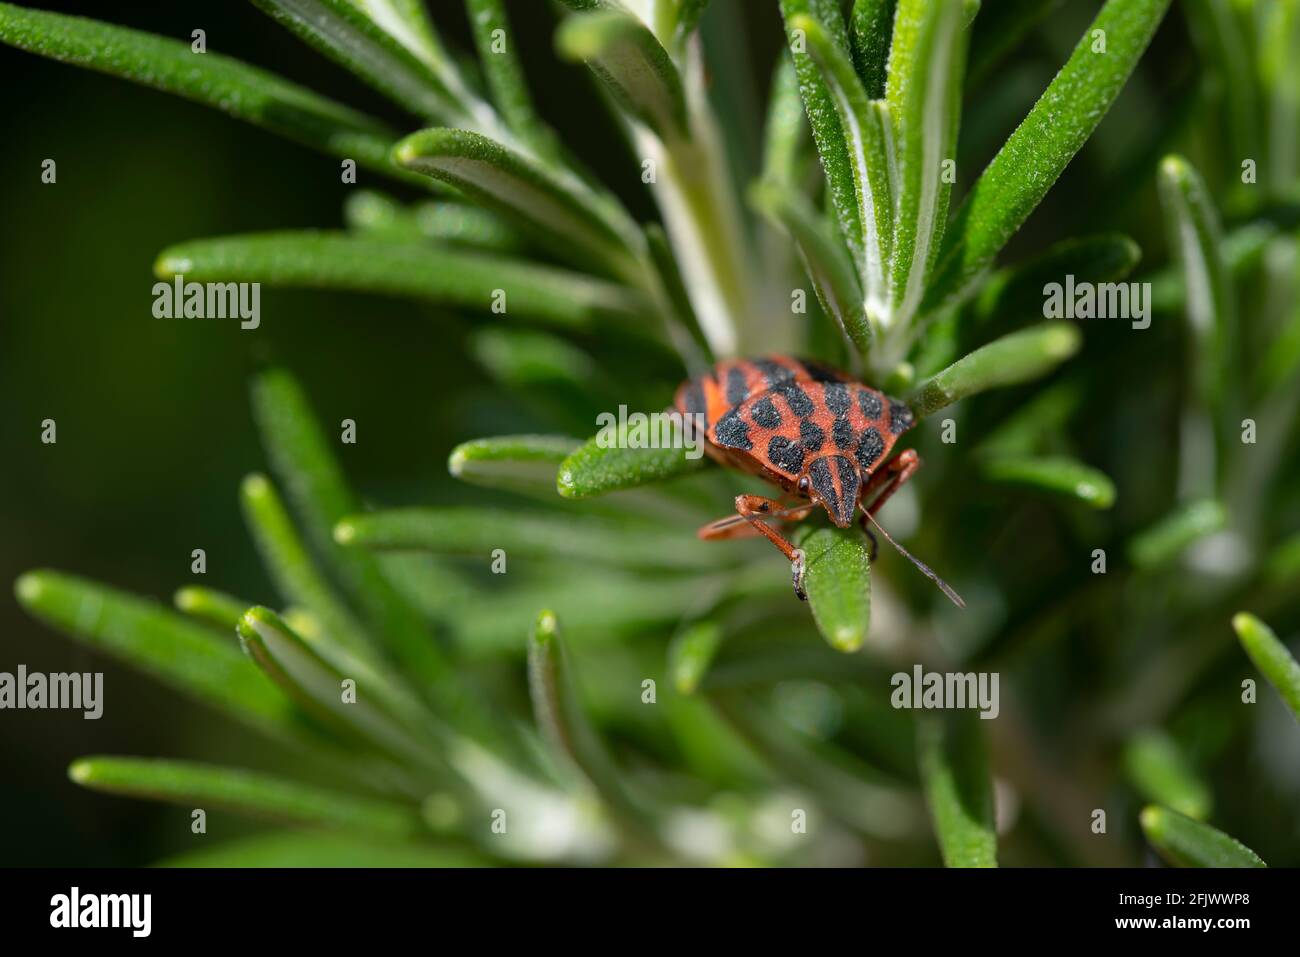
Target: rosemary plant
point(626, 694)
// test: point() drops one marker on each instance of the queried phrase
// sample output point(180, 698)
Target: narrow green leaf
point(317, 686)
point(324, 260)
point(340, 30)
point(524, 358)
point(180, 653)
point(828, 134)
point(1171, 536)
point(1197, 243)
point(210, 605)
point(1021, 291)
point(377, 215)
point(864, 128)
point(958, 789)
point(296, 577)
point(837, 578)
point(516, 462)
point(561, 718)
point(1162, 774)
point(1271, 657)
point(824, 257)
point(245, 92)
point(505, 75)
point(1056, 475)
point(927, 61)
point(314, 483)
point(1184, 842)
point(316, 849)
point(872, 27)
point(1018, 178)
point(192, 784)
point(562, 215)
point(691, 653)
point(785, 133)
point(628, 58)
point(1015, 358)
point(479, 531)
point(607, 464)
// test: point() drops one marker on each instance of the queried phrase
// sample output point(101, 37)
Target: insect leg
point(738, 526)
point(753, 509)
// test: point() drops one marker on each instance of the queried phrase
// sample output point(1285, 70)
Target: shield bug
point(818, 435)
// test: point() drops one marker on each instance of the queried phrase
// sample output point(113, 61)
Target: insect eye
point(803, 484)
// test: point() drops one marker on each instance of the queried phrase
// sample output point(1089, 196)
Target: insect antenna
point(944, 587)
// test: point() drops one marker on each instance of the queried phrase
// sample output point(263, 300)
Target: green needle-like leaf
point(927, 61)
point(1270, 657)
point(291, 568)
point(361, 712)
point(505, 75)
point(324, 849)
point(524, 463)
point(597, 468)
point(1056, 475)
point(958, 789)
point(866, 138)
point(1162, 774)
point(447, 275)
point(180, 653)
point(633, 64)
point(259, 795)
point(691, 653)
point(344, 33)
point(1211, 305)
point(829, 135)
point(785, 134)
point(243, 91)
point(314, 484)
point(562, 215)
point(1171, 536)
point(1184, 842)
point(379, 216)
point(478, 532)
point(560, 715)
point(1013, 359)
point(210, 605)
point(837, 578)
point(872, 28)
point(824, 257)
point(1018, 178)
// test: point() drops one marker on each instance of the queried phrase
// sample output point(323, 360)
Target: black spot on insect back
point(765, 414)
point(837, 397)
point(900, 417)
point(773, 372)
point(842, 433)
point(870, 404)
point(731, 432)
point(785, 455)
point(800, 404)
point(811, 435)
point(870, 448)
point(736, 388)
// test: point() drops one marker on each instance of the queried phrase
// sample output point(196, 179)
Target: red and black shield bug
point(812, 431)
